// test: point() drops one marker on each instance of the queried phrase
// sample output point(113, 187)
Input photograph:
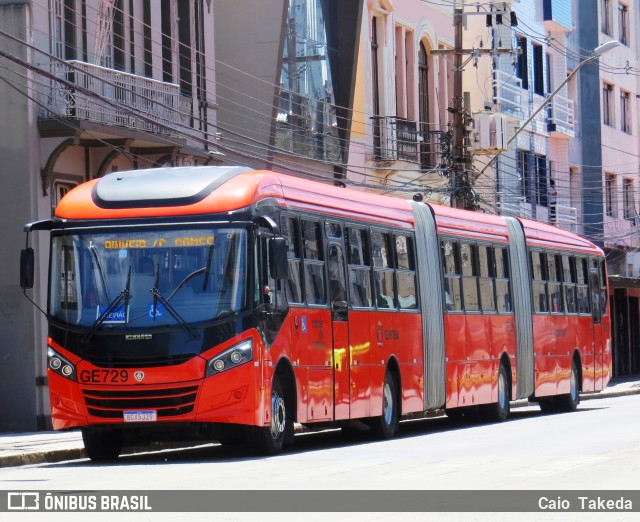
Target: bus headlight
point(60, 365)
point(234, 356)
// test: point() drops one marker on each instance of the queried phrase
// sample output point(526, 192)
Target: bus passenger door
point(596, 315)
point(598, 311)
point(339, 316)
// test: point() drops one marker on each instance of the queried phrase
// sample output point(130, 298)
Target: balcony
point(512, 99)
point(399, 139)
point(117, 98)
point(560, 117)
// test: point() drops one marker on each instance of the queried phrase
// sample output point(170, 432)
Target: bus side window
point(291, 233)
point(469, 258)
point(359, 268)
point(313, 263)
point(538, 262)
point(382, 269)
point(452, 279)
point(582, 287)
point(405, 272)
point(503, 294)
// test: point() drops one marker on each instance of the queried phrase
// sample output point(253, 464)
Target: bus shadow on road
point(311, 440)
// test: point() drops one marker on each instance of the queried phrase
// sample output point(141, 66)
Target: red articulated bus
point(224, 303)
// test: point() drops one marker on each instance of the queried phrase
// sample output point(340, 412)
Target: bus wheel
point(386, 426)
point(102, 445)
point(270, 440)
point(499, 411)
point(570, 401)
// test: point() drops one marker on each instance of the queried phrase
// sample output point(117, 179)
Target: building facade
point(400, 124)
point(604, 158)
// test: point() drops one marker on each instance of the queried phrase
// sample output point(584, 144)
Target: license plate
point(141, 416)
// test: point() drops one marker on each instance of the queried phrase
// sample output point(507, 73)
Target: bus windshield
point(147, 278)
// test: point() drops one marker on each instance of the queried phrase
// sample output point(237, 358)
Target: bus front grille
point(168, 402)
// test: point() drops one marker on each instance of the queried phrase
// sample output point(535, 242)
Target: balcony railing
point(115, 98)
point(508, 94)
point(512, 99)
point(399, 139)
point(560, 114)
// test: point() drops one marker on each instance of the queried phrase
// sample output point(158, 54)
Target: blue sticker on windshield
point(159, 311)
point(115, 316)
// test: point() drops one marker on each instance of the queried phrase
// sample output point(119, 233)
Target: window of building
point(625, 112)
point(166, 24)
point(524, 174)
point(605, 17)
point(610, 195)
point(146, 37)
point(522, 71)
point(607, 107)
point(424, 100)
point(538, 70)
point(60, 189)
point(629, 200)
point(532, 173)
point(623, 23)
point(307, 124)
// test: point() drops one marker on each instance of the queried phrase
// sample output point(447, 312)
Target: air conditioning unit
point(490, 135)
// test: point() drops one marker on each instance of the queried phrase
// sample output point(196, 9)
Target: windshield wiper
point(208, 269)
point(122, 296)
point(157, 296)
point(93, 250)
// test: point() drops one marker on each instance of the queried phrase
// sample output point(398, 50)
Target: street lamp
point(597, 52)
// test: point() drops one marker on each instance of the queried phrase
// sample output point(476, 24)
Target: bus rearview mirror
point(27, 268)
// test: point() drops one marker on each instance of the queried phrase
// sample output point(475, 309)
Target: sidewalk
point(17, 449)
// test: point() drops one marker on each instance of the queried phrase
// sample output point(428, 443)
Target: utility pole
point(459, 176)
point(462, 159)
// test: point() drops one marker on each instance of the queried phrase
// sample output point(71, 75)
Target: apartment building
point(604, 158)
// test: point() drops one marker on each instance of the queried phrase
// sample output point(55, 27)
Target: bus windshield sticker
point(117, 316)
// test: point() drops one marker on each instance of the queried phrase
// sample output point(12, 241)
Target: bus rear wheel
point(102, 445)
point(270, 440)
point(570, 401)
point(386, 426)
point(499, 411)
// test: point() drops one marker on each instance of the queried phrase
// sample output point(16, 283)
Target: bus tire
point(270, 440)
point(102, 445)
point(499, 411)
point(569, 401)
point(386, 426)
